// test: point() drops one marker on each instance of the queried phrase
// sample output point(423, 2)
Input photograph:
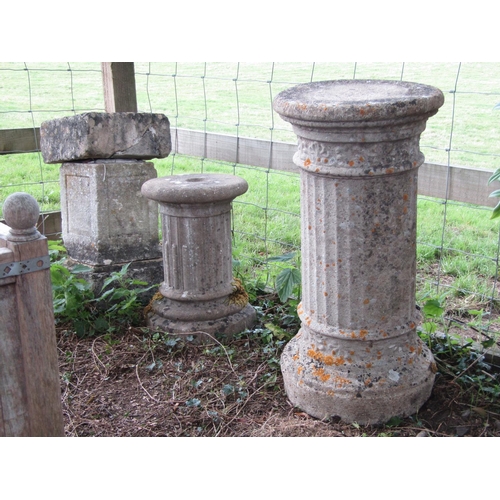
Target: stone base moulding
point(358, 355)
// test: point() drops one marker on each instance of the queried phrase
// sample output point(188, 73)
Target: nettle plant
point(85, 312)
point(288, 281)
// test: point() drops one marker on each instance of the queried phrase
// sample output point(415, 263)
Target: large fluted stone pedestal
point(358, 355)
point(199, 294)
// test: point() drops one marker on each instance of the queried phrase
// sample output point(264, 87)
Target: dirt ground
point(136, 383)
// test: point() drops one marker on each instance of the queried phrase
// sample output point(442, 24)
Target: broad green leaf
point(286, 282)
point(496, 212)
point(80, 268)
point(488, 343)
point(432, 309)
point(495, 194)
point(282, 258)
point(495, 176)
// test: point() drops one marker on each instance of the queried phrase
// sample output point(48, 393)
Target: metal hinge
point(24, 266)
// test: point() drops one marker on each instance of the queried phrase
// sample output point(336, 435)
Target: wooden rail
point(462, 184)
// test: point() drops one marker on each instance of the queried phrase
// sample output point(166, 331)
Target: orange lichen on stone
point(316, 170)
point(361, 158)
point(366, 301)
point(368, 381)
point(330, 393)
point(351, 163)
point(295, 357)
point(300, 369)
point(412, 348)
point(412, 325)
point(307, 162)
point(389, 170)
point(341, 381)
point(379, 354)
point(363, 333)
point(405, 197)
point(323, 358)
point(325, 294)
point(368, 365)
point(320, 373)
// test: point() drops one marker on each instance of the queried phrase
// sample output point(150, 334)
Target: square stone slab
point(98, 136)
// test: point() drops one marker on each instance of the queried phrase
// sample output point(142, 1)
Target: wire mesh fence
point(458, 243)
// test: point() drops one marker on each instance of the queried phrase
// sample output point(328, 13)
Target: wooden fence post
point(30, 393)
point(119, 87)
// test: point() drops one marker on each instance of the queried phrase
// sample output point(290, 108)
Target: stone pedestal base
point(226, 325)
point(105, 219)
point(364, 382)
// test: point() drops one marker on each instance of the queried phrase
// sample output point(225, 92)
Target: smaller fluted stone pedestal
point(357, 355)
point(199, 295)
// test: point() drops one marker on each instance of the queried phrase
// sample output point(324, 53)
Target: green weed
point(77, 306)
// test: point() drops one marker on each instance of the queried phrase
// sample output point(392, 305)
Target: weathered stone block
point(105, 218)
point(96, 136)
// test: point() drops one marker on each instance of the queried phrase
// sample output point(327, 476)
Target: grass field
point(458, 245)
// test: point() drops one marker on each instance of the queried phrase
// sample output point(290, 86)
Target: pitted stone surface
point(357, 101)
point(89, 136)
point(195, 188)
point(358, 355)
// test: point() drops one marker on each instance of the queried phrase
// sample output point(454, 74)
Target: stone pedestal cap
point(357, 101)
point(194, 188)
point(90, 136)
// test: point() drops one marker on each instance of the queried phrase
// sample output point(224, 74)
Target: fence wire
point(458, 244)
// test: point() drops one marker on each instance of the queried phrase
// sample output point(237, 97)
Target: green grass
point(236, 99)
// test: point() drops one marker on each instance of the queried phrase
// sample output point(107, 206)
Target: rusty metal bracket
point(24, 267)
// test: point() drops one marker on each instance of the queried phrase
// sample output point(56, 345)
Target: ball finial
point(21, 212)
